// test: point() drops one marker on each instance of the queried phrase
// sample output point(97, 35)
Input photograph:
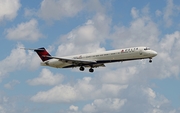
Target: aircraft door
point(140, 52)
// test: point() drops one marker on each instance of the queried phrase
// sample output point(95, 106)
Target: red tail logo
point(42, 53)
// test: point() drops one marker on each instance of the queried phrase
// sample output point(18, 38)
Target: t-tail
point(43, 54)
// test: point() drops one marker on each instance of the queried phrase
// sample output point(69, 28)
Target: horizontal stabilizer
point(41, 52)
point(31, 49)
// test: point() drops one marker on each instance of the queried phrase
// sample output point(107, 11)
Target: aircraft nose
point(154, 53)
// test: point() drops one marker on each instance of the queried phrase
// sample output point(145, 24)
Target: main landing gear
point(91, 70)
point(82, 69)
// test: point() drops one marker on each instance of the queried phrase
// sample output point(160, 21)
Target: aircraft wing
point(73, 61)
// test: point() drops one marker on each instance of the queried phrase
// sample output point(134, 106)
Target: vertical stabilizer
point(42, 53)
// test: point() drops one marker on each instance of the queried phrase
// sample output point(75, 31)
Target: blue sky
point(82, 26)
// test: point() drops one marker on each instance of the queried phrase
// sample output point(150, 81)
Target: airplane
point(94, 60)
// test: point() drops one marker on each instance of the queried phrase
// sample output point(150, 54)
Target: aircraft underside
point(100, 64)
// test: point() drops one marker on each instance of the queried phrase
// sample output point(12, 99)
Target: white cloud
point(73, 108)
point(46, 77)
point(2, 110)
point(7, 104)
point(134, 12)
point(85, 38)
point(141, 30)
point(85, 89)
point(30, 12)
point(158, 13)
point(105, 105)
point(65, 93)
point(25, 31)
point(33, 60)
point(57, 9)
point(61, 93)
point(168, 55)
point(121, 76)
point(133, 91)
point(170, 41)
point(150, 93)
point(112, 89)
point(17, 60)
point(11, 84)
point(168, 13)
point(8, 9)
point(141, 98)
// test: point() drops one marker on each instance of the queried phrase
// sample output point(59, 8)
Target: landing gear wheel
point(81, 68)
point(91, 70)
point(150, 61)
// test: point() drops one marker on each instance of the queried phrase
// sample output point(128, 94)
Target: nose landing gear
point(150, 60)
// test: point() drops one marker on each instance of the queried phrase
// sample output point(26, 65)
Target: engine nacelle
point(54, 63)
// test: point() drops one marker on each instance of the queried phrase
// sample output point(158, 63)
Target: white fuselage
point(118, 55)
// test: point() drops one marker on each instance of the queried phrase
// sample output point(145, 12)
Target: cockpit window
point(147, 48)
